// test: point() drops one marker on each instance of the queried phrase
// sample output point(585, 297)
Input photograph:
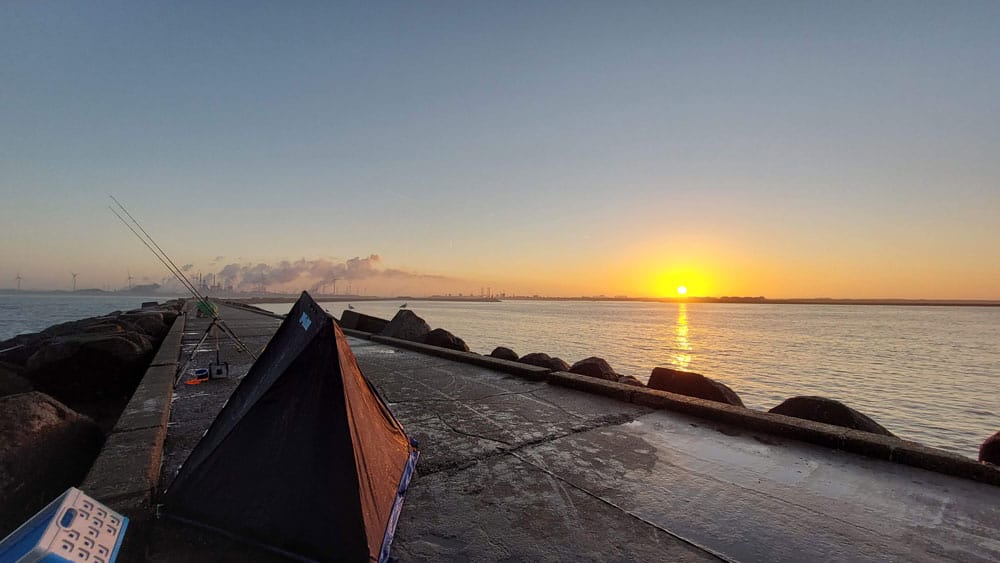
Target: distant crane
point(18, 278)
point(74, 279)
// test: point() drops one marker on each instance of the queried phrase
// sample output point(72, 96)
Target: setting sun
point(682, 280)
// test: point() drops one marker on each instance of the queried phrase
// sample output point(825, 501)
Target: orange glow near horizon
point(677, 282)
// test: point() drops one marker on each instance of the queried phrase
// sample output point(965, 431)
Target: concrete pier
point(515, 468)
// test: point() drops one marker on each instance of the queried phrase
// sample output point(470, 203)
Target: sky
point(794, 149)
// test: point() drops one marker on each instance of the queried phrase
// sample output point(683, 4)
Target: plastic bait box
point(74, 527)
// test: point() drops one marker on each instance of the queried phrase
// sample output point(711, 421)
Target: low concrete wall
point(251, 308)
point(357, 333)
point(515, 368)
point(360, 321)
point(125, 473)
point(864, 443)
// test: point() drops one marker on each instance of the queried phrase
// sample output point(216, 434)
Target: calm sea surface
point(928, 374)
point(32, 313)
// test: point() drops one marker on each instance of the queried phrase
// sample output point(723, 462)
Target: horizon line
point(735, 299)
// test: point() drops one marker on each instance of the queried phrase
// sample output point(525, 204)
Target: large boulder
point(111, 327)
point(81, 325)
point(829, 411)
point(543, 360)
point(629, 380)
point(360, 321)
point(11, 382)
point(990, 450)
point(444, 339)
point(44, 448)
point(406, 325)
point(504, 353)
point(693, 385)
point(117, 347)
point(148, 322)
point(169, 316)
point(174, 305)
point(17, 350)
point(594, 367)
point(89, 367)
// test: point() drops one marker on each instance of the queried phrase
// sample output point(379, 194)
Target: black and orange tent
point(305, 458)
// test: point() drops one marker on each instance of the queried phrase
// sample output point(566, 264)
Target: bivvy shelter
point(305, 457)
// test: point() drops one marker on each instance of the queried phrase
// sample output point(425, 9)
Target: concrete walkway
point(513, 469)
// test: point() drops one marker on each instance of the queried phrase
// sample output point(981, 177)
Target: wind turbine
point(18, 278)
point(130, 278)
point(74, 279)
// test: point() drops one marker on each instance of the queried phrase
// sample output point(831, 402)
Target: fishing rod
point(178, 273)
point(204, 303)
point(173, 269)
point(171, 266)
point(187, 285)
point(150, 243)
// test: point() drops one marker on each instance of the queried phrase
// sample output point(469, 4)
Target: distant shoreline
point(766, 301)
point(291, 298)
point(358, 299)
point(722, 300)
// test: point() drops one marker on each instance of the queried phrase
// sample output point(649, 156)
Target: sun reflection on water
point(682, 347)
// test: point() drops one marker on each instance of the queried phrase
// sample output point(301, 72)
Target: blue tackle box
point(73, 527)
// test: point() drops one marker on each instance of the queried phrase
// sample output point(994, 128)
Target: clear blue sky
point(786, 149)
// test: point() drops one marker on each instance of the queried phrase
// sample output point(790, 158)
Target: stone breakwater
point(61, 392)
point(406, 325)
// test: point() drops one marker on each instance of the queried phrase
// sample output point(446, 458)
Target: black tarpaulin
point(305, 457)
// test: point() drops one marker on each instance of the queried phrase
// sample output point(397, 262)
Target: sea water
point(27, 312)
point(928, 374)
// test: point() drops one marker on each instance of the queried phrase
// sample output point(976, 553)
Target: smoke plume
point(315, 274)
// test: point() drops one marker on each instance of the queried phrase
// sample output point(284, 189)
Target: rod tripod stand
point(217, 323)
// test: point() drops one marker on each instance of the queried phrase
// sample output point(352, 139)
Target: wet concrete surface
point(755, 499)
point(514, 470)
